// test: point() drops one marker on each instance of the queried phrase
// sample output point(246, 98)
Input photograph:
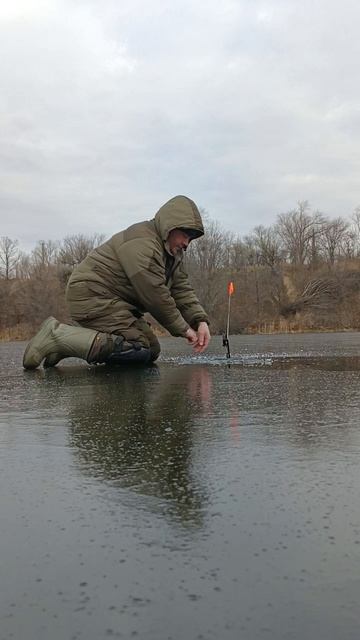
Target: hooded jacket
point(135, 272)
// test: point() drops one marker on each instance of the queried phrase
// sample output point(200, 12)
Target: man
point(137, 270)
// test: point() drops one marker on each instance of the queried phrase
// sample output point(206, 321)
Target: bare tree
point(350, 244)
point(317, 294)
point(74, 249)
point(23, 266)
point(9, 254)
point(238, 255)
point(297, 230)
point(210, 252)
point(267, 243)
point(45, 254)
point(356, 218)
point(332, 238)
point(251, 251)
point(355, 230)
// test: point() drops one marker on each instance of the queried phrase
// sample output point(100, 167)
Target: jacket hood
point(179, 212)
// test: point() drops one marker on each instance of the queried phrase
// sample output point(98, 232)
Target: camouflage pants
point(90, 307)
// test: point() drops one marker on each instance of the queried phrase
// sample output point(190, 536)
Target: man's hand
point(199, 339)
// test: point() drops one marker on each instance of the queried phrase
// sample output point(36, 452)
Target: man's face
point(178, 240)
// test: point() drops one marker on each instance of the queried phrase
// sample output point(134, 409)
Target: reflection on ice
point(279, 360)
point(211, 359)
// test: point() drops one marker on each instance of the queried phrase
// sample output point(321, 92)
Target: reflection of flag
point(231, 288)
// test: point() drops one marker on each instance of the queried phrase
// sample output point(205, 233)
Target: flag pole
point(230, 290)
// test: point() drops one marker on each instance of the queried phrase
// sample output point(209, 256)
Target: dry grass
point(18, 332)
point(295, 325)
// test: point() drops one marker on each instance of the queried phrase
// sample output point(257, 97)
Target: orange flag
point(231, 288)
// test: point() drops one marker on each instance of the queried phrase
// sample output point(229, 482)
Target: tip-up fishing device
point(230, 290)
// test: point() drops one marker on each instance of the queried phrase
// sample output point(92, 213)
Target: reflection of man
point(142, 437)
point(138, 270)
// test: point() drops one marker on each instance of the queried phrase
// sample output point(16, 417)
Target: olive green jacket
point(134, 272)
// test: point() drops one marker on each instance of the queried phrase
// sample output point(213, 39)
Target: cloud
point(109, 109)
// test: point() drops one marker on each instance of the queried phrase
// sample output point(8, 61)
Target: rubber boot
point(56, 340)
point(120, 352)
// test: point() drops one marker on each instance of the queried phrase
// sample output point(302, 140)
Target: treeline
point(32, 286)
point(301, 273)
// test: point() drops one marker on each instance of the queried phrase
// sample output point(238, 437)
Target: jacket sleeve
point(186, 299)
point(144, 266)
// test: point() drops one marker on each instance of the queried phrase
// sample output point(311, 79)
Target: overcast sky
point(109, 108)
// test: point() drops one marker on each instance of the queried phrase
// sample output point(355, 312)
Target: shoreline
point(19, 336)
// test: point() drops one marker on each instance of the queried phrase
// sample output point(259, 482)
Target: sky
point(108, 109)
